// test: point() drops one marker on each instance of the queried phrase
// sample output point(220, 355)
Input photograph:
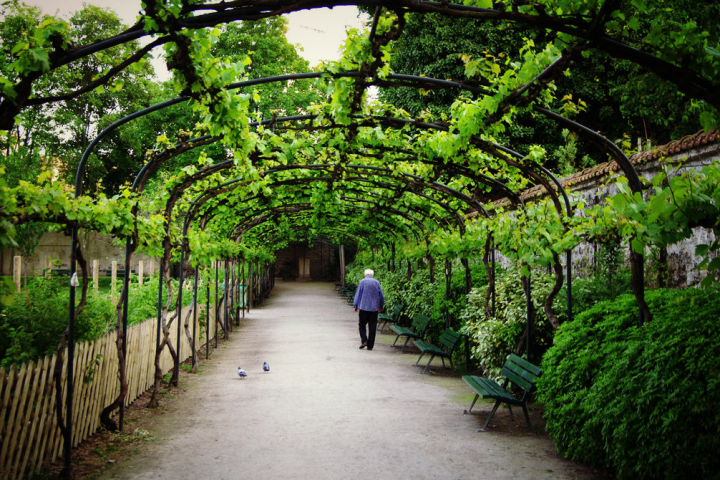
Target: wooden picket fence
point(29, 434)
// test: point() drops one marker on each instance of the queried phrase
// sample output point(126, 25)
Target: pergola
point(349, 170)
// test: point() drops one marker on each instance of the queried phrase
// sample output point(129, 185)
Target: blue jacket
point(369, 295)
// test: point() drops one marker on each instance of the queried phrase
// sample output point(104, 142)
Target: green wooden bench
point(347, 294)
point(416, 331)
point(448, 341)
point(392, 317)
point(516, 370)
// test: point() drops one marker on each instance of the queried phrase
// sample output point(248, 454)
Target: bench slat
point(517, 380)
point(487, 388)
point(520, 372)
point(401, 330)
point(420, 323)
point(426, 347)
point(449, 339)
point(525, 364)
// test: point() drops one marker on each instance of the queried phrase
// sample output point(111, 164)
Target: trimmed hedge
point(643, 402)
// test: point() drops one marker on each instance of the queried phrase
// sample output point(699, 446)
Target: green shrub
point(496, 338)
point(643, 402)
point(32, 322)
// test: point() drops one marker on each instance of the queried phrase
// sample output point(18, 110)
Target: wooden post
point(140, 273)
point(17, 271)
point(113, 279)
point(152, 266)
point(48, 268)
point(96, 276)
point(342, 265)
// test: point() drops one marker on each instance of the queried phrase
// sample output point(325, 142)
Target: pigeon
point(266, 367)
point(242, 373)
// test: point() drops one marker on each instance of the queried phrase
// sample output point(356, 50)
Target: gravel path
point(328, 410)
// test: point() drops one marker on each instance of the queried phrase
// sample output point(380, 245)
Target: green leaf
point(701, 250)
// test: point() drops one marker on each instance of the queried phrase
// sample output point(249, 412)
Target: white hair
point(369, 273)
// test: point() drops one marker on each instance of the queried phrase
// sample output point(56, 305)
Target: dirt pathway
point(328, 410)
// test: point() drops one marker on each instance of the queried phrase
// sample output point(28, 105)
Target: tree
point(61, 133)
point(271, 55)
point(622, 102)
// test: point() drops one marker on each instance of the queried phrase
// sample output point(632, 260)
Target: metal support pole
point(216, 301)
point(232, 291)
point(126, 296)
point(179, 311)
point(207, 319)
point(225, 300)
point(569, 286)
point(467, 353)
point(67, 445)
point(195, 306)
point(448, 285)
point(492, 253)
point(249, 287)
point(528, 301)
point(244, 292)
point(159, 304)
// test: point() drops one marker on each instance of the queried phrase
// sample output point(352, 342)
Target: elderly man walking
point(370, 301)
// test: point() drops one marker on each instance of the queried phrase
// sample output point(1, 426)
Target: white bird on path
point(242, 373)
point(266, 367)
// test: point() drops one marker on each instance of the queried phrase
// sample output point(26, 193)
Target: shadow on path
point(328, 410)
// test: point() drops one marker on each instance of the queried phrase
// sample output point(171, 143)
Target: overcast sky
point(319, 32)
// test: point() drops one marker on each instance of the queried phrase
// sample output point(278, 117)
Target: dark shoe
point(369, 349)
point(363, 346)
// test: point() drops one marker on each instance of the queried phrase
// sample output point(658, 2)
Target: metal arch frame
point(237, 182)
point(354, 237)
point(239, 233)
point(383, 185)
point(195, 204)
point(292, 210)
point(308, 210)
point(316, 179)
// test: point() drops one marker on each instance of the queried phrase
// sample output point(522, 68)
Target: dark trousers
point(368, 321)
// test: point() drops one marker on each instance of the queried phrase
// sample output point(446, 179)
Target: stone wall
point(56, 246)
point(595, 184)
